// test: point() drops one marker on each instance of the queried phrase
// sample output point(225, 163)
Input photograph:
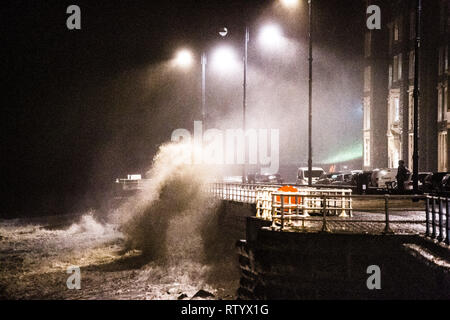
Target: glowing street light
point(271, 36)
point(290, 3)
point(184, 59)
point(224, 59)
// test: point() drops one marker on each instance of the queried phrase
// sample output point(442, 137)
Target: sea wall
point(288, 265)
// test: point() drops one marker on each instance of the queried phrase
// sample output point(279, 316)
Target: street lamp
point(270, 36)
point(416, 94)
point(224, 59)
point(310, 97)
point(184, 58)
point(290, 3)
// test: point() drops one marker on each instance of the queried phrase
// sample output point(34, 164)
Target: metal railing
point(435, 224)
point(335, 210)
point(439, 229)
point(239, 192)
point(261, 195)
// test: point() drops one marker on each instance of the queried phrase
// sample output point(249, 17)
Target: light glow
point(271, 36)
point(290, 3)
point(224, 59)
point(184, 59)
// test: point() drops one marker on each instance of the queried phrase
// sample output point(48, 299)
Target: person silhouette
point(402, 176)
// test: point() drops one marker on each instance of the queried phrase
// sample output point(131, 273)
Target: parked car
point(303, 175)
point(386, 178)
point(433, 182)
point(347, 178)
point(343, 179)
point(327, 178)
point(445, 185)
point(422, 177)
point(362, 181)
point(265, 178)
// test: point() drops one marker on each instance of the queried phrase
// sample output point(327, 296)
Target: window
point(445, 99)
point(397, 67)
point(411, 111)
point(440, 106)
point(367, 79)
point(390, 75)
point(441, 64)
point(396, 109)
point(446, 59)
point(366, 113)
point(411, 65)
point(396, 30)
point(395, 78)
point(442, 151)
point(410, 151)
point(368, 44)
point(366, 151)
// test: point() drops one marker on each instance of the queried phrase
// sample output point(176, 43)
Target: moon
point(224, 32)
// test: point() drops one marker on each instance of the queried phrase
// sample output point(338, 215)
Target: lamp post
point(310, 97)
point(291, 4)
point(244, 100)
point(204, 61)
point(416, 94)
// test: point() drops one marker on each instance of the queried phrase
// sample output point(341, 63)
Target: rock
point(182, 296)
point(203, 294)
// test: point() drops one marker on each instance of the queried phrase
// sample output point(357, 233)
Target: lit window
point(366, 151)
point(442, 151)
point(410, 150)
point(396, 30)
point(366, 113)
point(396, 109)
point(411, 112)
point(390, 76)
point(445, 99)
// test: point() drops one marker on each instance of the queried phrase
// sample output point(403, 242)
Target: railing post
point(441, 223)
point(447, 221)
point(387, 228)
point(273, 209)
point(433, 218)
point(282, 211)
point(427, 216)
point(324, 208)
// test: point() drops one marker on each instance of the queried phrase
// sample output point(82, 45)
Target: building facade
point(389, 83)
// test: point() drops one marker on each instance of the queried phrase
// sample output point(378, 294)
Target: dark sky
point(76, 112)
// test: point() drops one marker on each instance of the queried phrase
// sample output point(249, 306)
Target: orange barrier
point(287, 200)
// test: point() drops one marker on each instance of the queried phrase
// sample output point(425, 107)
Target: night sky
point(77, 111)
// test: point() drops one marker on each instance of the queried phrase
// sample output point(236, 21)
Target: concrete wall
point(284, 265)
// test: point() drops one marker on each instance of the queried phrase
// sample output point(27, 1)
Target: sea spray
point(163, 220)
